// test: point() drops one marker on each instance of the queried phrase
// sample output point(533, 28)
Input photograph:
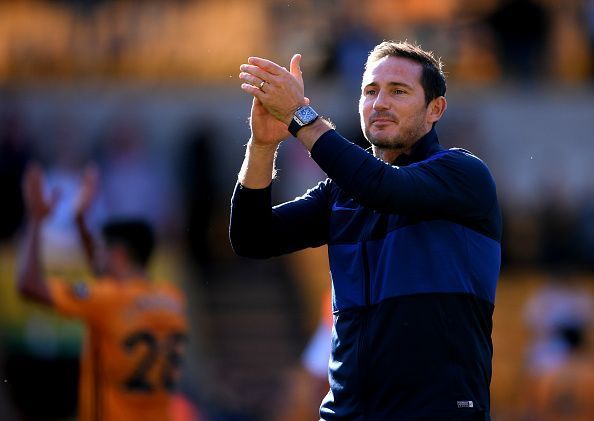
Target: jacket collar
point(421, 150)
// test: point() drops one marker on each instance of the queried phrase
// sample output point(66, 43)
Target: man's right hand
point(38, 207)
point(267, 131)
point(87, 191)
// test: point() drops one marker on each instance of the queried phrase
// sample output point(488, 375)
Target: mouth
point(379, 121)
point(382, 117)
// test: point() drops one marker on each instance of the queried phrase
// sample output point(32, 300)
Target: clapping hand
point(277, 94)
point(87, 191)
point(37, 205)
point(281, 91)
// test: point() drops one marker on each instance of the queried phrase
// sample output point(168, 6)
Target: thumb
point(296, 68)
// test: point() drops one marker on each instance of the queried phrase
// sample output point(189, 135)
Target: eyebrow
point(390, 84)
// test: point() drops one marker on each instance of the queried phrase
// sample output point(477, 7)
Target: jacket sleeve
point(259, 230)
point(451, 183)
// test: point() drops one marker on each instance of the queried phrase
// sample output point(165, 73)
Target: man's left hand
point(37, 205)
point(280, 91)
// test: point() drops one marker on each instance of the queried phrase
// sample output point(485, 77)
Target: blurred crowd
point(482, 41)
point(168, 149)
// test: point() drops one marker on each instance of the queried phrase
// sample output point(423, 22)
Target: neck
point(389, 155)
point(129, 273)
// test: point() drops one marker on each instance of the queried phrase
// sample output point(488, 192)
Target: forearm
point(258, 230)
point(87, 243)
point(31, 282)
point(450, 183)
point(257, 170)
point(309, 135)
point(250, 222)
point(370, 181)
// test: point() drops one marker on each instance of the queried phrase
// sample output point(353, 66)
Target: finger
point(306, 99)
point(267, 65)
point(296, 67)
point(256, 71)
point(252, 80)
point(251, 89)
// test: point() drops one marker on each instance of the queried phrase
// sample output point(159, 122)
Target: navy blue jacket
point(414, 253)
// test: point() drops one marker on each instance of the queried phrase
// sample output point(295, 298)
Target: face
point(392, 105)
point(114, 259)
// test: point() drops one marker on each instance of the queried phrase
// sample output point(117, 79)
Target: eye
point(398, 92)
point(370, 92)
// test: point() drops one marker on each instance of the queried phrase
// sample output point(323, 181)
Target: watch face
point(306, 114)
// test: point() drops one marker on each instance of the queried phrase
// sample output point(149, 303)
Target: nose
point(381, 102)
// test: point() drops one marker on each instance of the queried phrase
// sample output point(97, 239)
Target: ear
point(436, 108)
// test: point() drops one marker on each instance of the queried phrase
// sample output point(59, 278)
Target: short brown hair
point(136, 236)
point(433, 79)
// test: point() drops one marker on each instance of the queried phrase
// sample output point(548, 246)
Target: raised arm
point(31, 280)
point(84, 200)
point(267, 131)
point(256, 229)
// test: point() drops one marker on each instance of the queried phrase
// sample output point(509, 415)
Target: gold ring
point(261, 85)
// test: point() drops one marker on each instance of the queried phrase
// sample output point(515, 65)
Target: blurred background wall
point(148, 90)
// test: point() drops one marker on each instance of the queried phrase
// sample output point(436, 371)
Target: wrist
point(310, 134)
point(289, 118)
point(263, 147)
point(303, 117)
point(257, 169)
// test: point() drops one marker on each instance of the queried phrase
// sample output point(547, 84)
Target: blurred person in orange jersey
point(565, 392)
point(136, 329)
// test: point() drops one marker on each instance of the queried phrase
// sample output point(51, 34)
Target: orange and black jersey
point(136, 334)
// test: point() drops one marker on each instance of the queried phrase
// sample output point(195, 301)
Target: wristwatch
point(304, 116)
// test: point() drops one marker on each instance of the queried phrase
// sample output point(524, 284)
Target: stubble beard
point(400, 142)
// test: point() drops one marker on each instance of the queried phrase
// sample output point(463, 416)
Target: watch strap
point(296, 123)
point(294, 127)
